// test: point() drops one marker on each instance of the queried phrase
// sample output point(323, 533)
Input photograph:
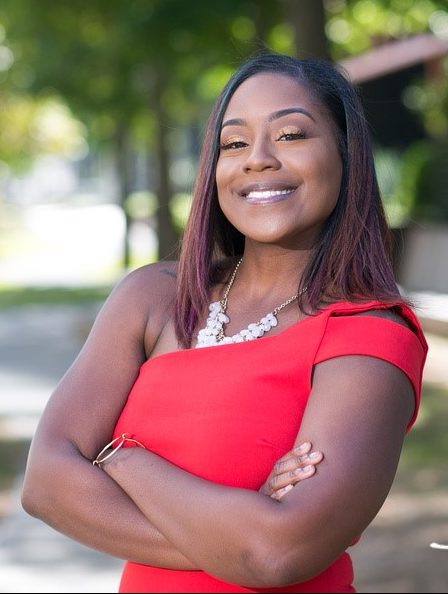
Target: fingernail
point(314, 454)
point(303, 448)
point(307, 468)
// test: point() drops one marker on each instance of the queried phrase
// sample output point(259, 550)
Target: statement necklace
point(213, 333)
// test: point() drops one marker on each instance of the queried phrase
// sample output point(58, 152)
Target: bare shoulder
point(165, 270)
point(154, 274)
point(143, 301)
point(151, 282)
point(387, 314)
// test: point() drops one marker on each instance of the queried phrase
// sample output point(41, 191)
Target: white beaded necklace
point(213, 333)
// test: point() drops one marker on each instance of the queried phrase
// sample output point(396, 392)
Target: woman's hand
point(296, 465)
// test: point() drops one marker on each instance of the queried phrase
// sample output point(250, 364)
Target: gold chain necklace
point(213, 332)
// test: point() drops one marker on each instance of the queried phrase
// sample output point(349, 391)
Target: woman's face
point(279, 169)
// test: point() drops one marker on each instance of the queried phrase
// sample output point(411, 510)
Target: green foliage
point(387, 165)
point(354, 26)
point(281, 39)
point(429, 99)
point(141, 205)
point(180, 208)
point(413, 183)
point(37, 126)
point(109, 61)
point(137, 65)
point(431, 202)
point(103, 57)
point(399, 177)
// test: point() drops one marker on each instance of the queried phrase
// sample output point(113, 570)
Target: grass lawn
point(13, 296)
point(423, 465)
point(13, 455)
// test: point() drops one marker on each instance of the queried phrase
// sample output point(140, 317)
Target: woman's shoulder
point(151, 280)
point(397, 310)
point(378, 315)
point(143, 300)
point(391, 313)
point(154, 270)
point(145, 293)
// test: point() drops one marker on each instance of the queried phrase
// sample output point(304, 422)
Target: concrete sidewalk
point(35, 558)
point(37, 344)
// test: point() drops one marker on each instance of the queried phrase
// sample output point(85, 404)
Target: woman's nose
point(261, 156)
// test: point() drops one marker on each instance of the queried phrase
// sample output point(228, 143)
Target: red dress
point(227, 413)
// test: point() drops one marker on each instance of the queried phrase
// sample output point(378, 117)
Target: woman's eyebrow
point(234, 122)
point(284, 112)
point(273, 116)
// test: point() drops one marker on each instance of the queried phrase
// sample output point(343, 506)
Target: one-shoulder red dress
point(227, 413)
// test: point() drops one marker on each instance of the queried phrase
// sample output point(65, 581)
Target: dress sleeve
point(378, 337)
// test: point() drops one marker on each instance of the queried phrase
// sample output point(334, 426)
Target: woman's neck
point(271, 271)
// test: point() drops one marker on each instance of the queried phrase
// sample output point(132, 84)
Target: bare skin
point(357, 413)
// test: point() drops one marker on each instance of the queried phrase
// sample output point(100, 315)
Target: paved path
point(37, 345)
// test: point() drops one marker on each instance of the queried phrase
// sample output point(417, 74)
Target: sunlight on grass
point(17, 296)
point(13, 454)
point(423, 465)
point(428, 440)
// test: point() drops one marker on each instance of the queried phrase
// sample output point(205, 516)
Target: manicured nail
point(307, 468)
point(302, 448)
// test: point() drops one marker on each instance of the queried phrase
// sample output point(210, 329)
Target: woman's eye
point(291, 136)
point(234, 144)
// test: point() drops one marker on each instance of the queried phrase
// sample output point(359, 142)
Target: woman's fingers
point(300, 450)
point(296, 465)
point(279, 494)
point(294, 469)
point(288, 465)
point(302, 474)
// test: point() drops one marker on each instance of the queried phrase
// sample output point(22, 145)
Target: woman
point(281, 324)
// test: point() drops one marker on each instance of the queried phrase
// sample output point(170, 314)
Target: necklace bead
point(213, 333)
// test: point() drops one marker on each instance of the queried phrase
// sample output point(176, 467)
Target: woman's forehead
point(270, 92)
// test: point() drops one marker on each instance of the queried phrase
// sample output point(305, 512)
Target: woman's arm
point(61, 486)
point(357, 415)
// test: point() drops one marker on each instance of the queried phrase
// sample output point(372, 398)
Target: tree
point(117, 64)
point(308, 18)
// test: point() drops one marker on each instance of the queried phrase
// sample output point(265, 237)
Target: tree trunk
point(124, 184)
point(167, 235)
point(308, 20)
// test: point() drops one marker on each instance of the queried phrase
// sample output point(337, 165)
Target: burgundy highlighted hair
point(351, 260)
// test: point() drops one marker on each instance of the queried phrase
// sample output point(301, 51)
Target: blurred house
point(382, 74)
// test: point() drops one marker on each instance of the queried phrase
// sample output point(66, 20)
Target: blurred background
point(102, 108)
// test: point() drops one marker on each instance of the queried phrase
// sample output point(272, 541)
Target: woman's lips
point(267, 196)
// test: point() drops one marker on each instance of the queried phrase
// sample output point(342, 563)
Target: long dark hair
point(351, 261)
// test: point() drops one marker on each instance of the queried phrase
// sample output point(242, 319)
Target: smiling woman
point(285, 158)
point(214, 478)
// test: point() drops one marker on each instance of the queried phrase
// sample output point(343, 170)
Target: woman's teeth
point(268, 193)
